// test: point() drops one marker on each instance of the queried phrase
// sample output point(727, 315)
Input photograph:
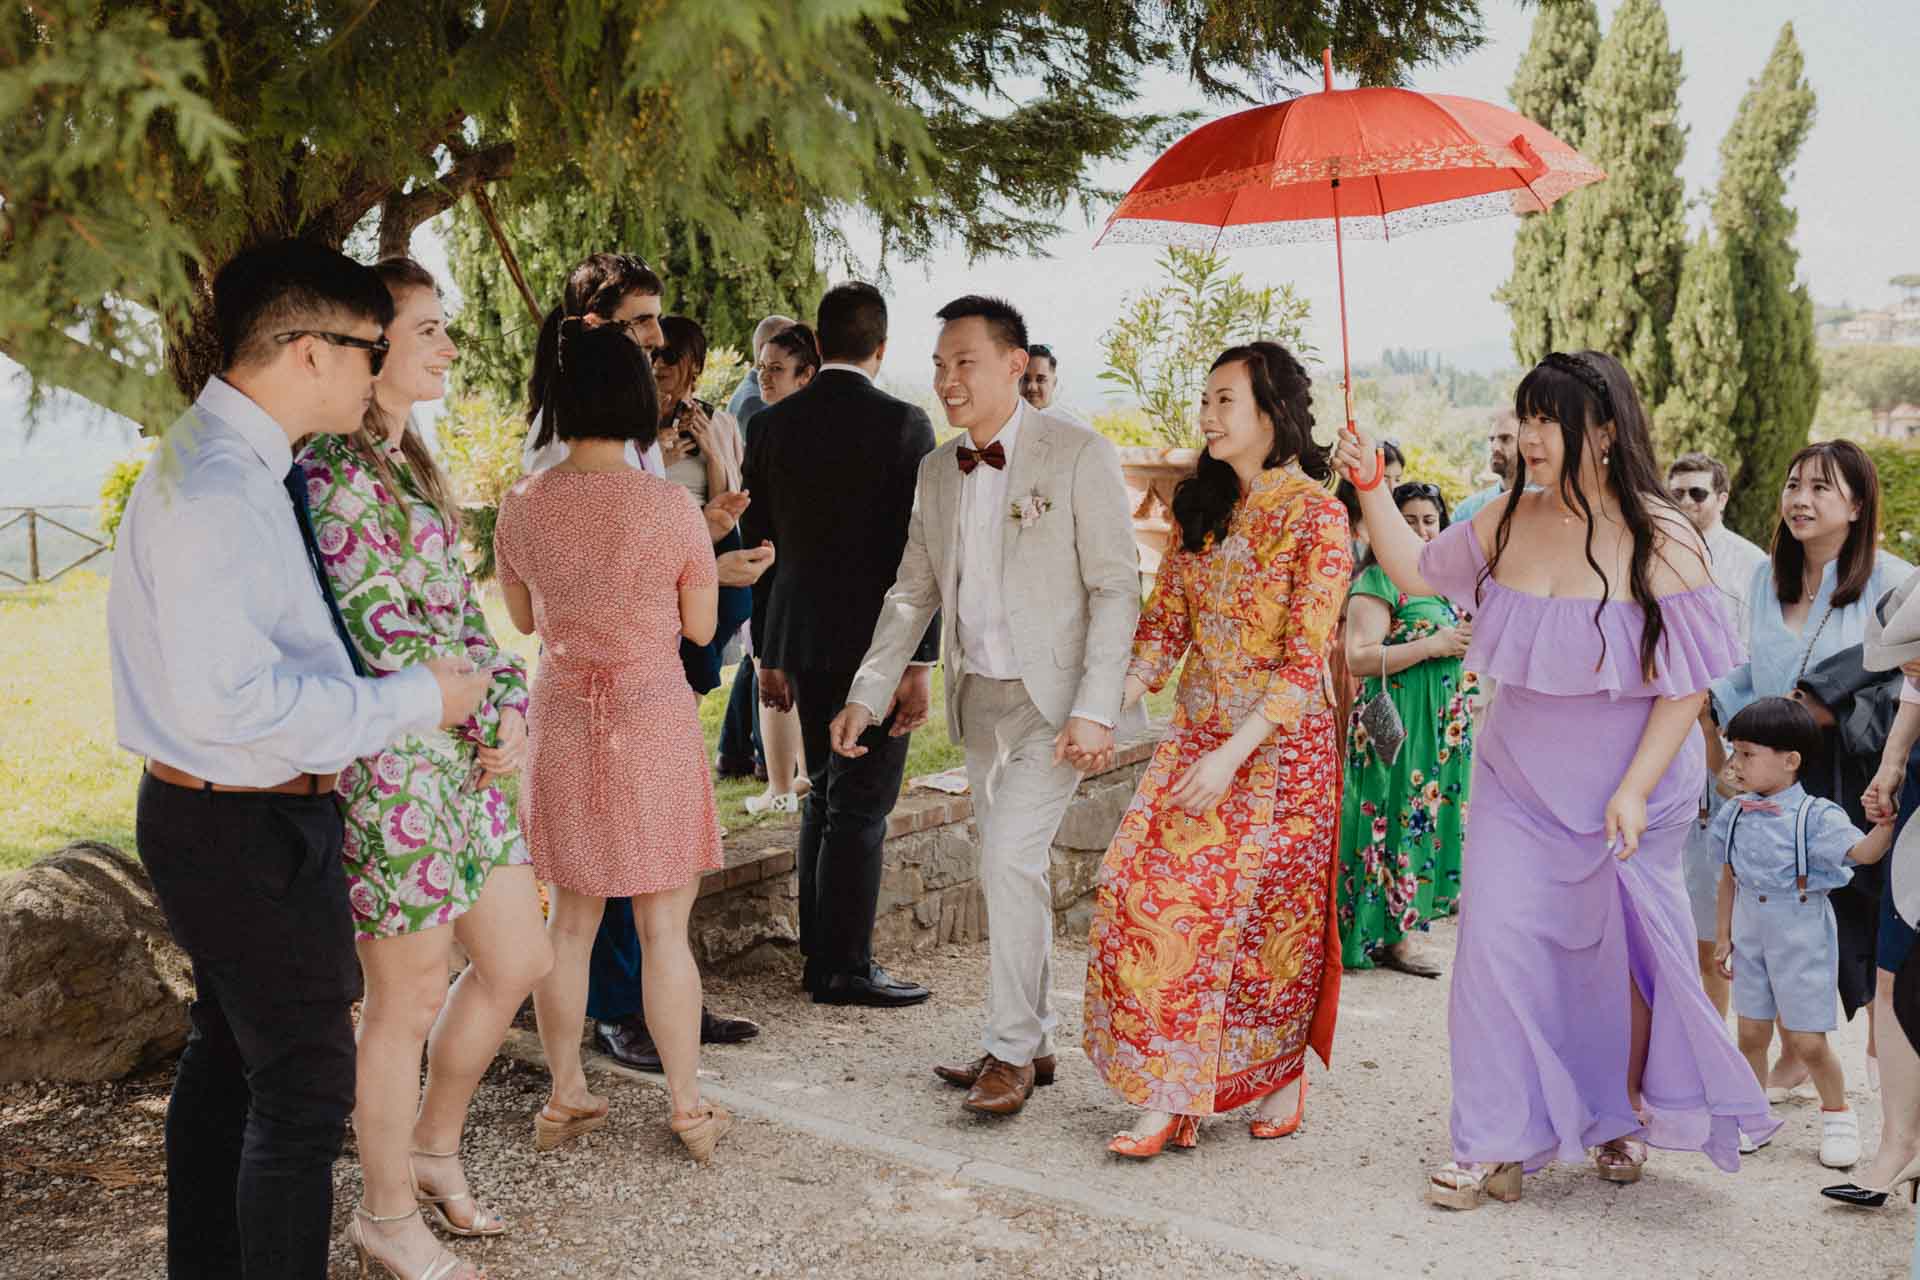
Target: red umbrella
point(1371, 163)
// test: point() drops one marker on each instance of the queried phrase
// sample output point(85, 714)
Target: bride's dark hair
point(1579, 392)
point(1204, 502)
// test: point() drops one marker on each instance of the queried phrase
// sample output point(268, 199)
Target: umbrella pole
point(1340, 266)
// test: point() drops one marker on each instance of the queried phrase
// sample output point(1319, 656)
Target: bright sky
point(1857, 188)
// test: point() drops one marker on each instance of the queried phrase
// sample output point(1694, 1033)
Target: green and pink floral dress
point(1401, 823)
point(420, 838)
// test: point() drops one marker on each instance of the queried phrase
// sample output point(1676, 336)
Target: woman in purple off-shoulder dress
point(1576, 1019)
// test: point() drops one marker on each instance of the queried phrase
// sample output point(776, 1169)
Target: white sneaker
point(786, 802)
point(1748, 1146)
point(1839, 1139)
point(1802, 1092)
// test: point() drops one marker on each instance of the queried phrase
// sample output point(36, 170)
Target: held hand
point(1354, 454)
point(1205, 784)
point(497, 761)
point(776, 694)
point(744, 568)
point(912, 701)
point(1085, 745)
point(1911, 670)
point(461, 688)
point(1882, 796)
point(1626, 823)
point(846, 729)
point(1723, 956)
point(724, 512)
point(1451, 642)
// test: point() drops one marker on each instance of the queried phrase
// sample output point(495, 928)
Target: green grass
point(64, 778)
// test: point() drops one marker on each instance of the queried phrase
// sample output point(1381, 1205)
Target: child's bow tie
point(1750, 805)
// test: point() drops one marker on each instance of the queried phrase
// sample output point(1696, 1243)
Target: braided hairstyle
point(1283, 394)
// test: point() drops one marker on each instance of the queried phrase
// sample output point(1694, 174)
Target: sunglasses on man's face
point(1692, 494)
point(376, 348)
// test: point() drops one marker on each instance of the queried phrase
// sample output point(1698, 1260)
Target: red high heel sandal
point(1260, 1128)
point(1181, 1131)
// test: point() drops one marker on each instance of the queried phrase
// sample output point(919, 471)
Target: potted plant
point(1160, 351)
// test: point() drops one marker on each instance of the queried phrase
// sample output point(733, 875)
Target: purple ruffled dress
point(1539, 1015)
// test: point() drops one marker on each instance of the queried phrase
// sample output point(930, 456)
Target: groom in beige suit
point(1022, 538)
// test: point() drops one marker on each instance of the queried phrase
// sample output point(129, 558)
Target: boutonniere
point(1030, 508)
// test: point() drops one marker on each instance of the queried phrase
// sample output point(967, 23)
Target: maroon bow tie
point(993, 455)
point(1748, 805)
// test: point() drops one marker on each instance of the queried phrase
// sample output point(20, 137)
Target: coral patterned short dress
point(616, 799)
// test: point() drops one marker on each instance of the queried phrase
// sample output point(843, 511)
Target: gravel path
point(852, 1161)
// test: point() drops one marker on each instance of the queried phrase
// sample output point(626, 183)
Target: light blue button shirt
point(225, 661)
point(1763, 853)
point(1774, 654)
point(1470, 505)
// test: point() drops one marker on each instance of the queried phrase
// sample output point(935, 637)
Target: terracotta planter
point(1151, 475)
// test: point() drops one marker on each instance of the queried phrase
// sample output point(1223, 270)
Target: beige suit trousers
point(1019, 797)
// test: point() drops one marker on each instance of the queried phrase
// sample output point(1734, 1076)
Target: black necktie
point(296, 483)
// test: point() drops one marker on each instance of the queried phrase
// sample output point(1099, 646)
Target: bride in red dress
point(1214, 960)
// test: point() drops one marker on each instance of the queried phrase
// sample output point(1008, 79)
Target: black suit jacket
point(831, 470)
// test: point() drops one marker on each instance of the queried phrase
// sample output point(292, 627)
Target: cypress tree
point(1781, 384)
point(1707, 373)
point(1627, 235)
point(1547, 89)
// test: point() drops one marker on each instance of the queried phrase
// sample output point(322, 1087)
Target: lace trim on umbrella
point(1563, 170)
point(1193, 235)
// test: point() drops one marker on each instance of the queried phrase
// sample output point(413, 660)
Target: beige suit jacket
point(1070, 578)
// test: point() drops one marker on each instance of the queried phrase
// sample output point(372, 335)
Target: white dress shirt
point(225, 660)
point(986, 637)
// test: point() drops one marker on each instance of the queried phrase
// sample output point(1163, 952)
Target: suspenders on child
point(1801, 816)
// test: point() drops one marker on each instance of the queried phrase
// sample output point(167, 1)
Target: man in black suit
point(832, 470)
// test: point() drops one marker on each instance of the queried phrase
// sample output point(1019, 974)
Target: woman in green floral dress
point(1401, 822)
point(433, 850)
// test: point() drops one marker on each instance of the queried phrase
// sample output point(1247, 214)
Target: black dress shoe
point(718, 1030)
point(1858, 1196)
point(733, 766)
point(628, 1043)
point(876, 989)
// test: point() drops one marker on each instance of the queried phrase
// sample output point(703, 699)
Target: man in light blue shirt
point(234, 678)
point(1503, 459)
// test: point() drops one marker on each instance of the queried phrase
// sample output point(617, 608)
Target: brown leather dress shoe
point(1001, 1088)
point(964, 1074)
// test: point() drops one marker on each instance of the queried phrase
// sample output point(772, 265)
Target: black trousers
point(843, 824)
point(254, 892)
point(740, 730)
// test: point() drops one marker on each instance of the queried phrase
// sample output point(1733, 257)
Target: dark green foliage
point(1899, 466)
point(1626, 235)
point(142, 144)
point(1707, 373)
point(1781, 384)
point(1549, 90)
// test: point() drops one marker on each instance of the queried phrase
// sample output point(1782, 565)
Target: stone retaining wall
point(929, 890)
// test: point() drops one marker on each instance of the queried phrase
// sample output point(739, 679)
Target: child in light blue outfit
point(1781, 852)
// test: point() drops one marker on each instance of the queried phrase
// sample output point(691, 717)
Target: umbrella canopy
point(1373, 163)
point(1388, 160)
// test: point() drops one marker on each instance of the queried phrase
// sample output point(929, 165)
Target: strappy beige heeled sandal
point(445, 1265)
point(557, 1125)
point(1460, 1186)
point(704, 1133)
point(1620, 1160)
point(482, 1222)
